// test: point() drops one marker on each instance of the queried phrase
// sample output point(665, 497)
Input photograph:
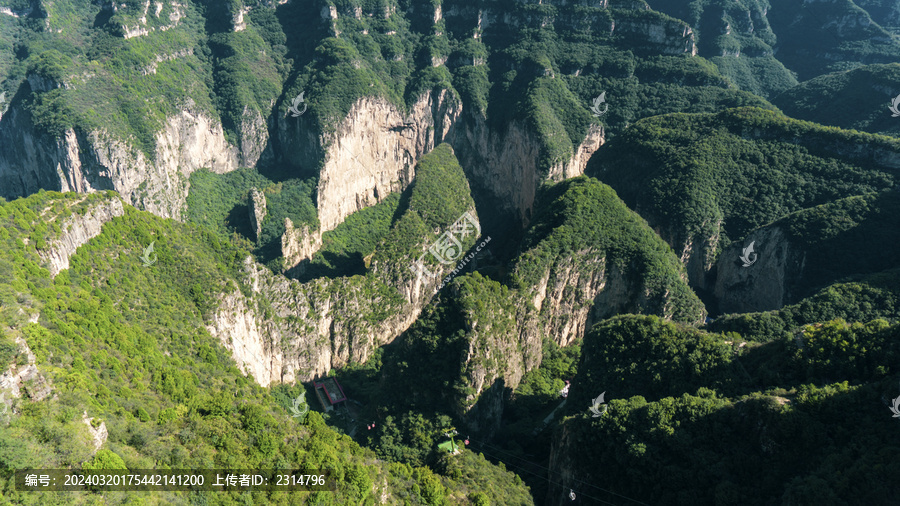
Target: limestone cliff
point(808, 250)
point(564, 449)
point(91, 161)
point(602, 291)
point(505, 163)
point(571, 274)
point(99, 434)
point(282, 330)
point(257, 207)
point(575, 292)
point(77, 230)
point(630, 19)
point(22, 377)
point(235, 324)
point(766, 283)
point(668, 36)
point(298, 245)
point(375, 149)
point(371, 153)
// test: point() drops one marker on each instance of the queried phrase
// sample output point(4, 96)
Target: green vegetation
point(584, 217)
point(219, 202)
point(127, 343)
point(490, 484)
point(785, 406)
point(540, 387)
point(720, 437)
point(857, 41)
point(115, 84)
point(469, 333)
point(871, 297)
point(737, 37)
point(644, 356)
point(883, 12)
point(439, 195)
point(856, 99)
point(814, 444)
point(741, 169)
point(852, 236)
point(347, 249)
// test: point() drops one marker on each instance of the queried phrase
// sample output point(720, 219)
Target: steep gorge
point(31, 160)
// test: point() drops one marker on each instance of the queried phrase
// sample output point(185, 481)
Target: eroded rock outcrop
point(298, 245)
point(567, 317)
point(575, 292)
point(77, 230)
point(573, 273)
point(98, 431)
point(282, 330)
point(26, 377)
point(242, 333)
point(286, 331)
point(257, 207)
point(505, 163)
point(672, 37)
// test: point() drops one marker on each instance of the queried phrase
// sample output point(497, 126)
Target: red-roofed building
point(330, 393)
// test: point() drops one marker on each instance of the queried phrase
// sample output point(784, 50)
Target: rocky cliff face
point(562, 451)
point(257, 208)
point(501, 349)
point(286, 331)
point(698, 251)
point(254, 138)
point(138, 21)
point(602, 291)
point(85, 162)
point(18, 378)
point(372, 153)
point(646, 28)
point(670, 37)
point(298, 245)
point(98, 434)
point(505, 163)
point(77, 230)
point(242, 333)
point(575, 291)
point(766, 283)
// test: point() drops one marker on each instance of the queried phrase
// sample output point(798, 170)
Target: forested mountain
point(554, 251)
